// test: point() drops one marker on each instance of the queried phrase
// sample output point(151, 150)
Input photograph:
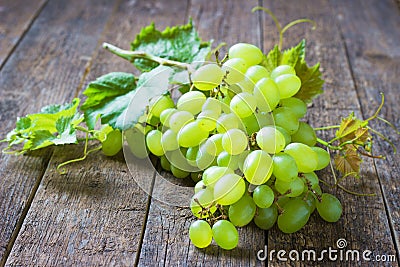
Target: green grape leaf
point(112, 103)
point(311, 81)
point(273, 59)
point(181, 43)
point(294, 55)
point(348, 162)
point(55, 125)
point(348, 127)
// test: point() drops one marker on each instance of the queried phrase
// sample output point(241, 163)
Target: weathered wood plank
point(46, 68)
point(371, 36)
point(94, 215)
point(166, 240)
point(364, 223)
point(16, 16)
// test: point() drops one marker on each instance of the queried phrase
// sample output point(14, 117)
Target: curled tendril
point(86, 152)
point(282, 30)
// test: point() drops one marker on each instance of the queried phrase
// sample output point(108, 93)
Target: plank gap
point(146, 216)
point(21, 37)
point(24, 212)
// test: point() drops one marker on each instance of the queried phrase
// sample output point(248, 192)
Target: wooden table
point(96, 215)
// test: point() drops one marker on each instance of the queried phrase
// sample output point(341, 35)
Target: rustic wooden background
point(96, 215)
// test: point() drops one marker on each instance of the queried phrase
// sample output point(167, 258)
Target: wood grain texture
point(371, 36)
point(16, 16)
point(364, 223)
point(46, 68)
point(95, 215)
point(166, 240)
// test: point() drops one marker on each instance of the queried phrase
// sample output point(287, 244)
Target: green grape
point(296, 187)
point(213, 145)
point(297, 106)
point(251, 124)
point(200, 234)
point(242, 212)
point(229, 189)
point(179, 173)
point(286, 119)
point(178, 159)
point(243, 104)
point(266, 218)
point(305, 134)
point(282, 69)
point(225, 101)
point(312, 179)
point(251, 54)
point(254, 122)
point(212, 104)
point(196, 176)
point(207, 120)
point(226, 122)
point(235, 67)
point(233, 90)
point(282, 200)
point(153, 141)
point(169, 140)
point(113, 143)
point(142, 125)
point(234, 141)
point(199, 186)
point(256, 73)
point(263, 196)
point(214, 173)
point(323, 157)
point(225, 234)
point(166, 114)
point(160, 103)
point(288, 137)
point(270, 140)
point(204, 199)
point(153, 120)
point(207, 77)
point(329, 208)
point(306, 159)
point(295, 215)
point(191, 101)
point(285, 168)
point(191, 155)
point(191, 135)
point(288, 85)
point(246, 85)
point(258, 167)
point(165, 164)
point(225, 159)
point(267, 94)
point(204, 160)
point(137, 142)
point(310, 200)
point(242, 158)
point(179, 119)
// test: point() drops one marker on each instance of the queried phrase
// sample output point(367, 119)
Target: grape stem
point(131, 56)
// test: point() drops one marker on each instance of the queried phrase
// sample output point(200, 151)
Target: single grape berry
point(225, 234)
point(329, 208)
point(200, 234)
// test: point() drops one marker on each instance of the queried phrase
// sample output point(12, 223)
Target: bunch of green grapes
point(239, 128)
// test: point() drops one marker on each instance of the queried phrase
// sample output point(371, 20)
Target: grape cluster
point(238, 133)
